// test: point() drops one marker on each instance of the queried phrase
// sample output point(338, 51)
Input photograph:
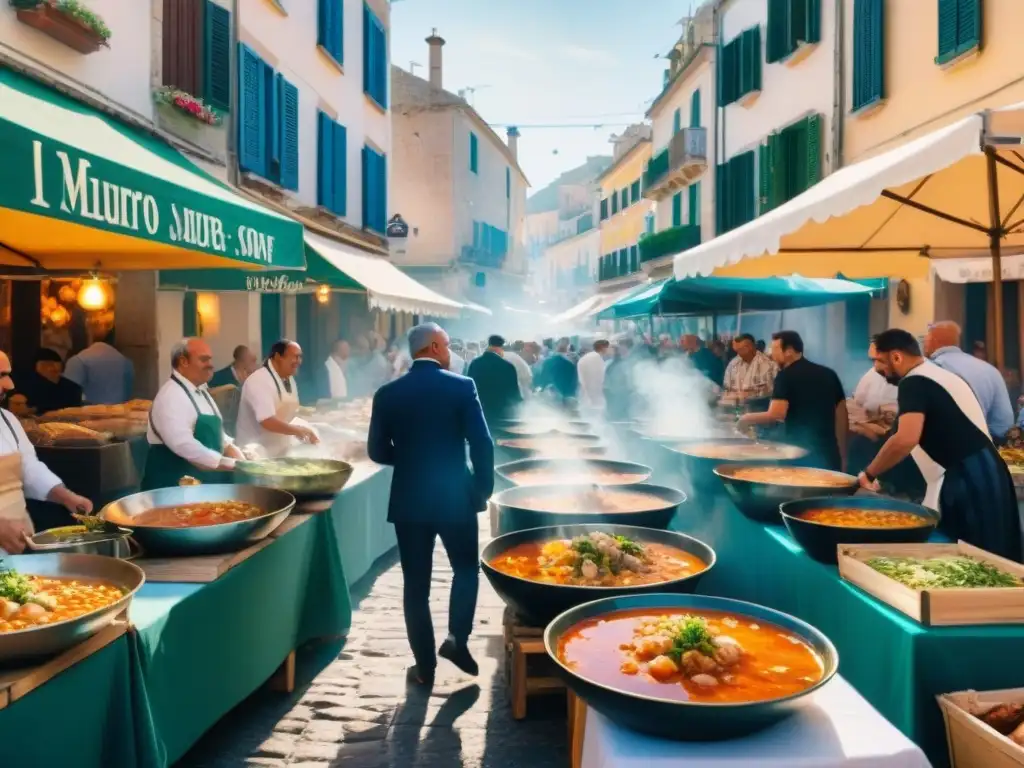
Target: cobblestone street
point(356, 712)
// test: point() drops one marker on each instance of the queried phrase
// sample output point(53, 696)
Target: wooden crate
point(528, 670)
point(935, 607)
point(972, 743)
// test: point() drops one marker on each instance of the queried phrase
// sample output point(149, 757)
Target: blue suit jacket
point(420, 425)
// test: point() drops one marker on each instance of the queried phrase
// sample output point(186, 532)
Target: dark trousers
point(416, 552)
point(979, 505)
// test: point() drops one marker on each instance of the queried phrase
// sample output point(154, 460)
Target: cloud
point(500, 47)
point(586, 55)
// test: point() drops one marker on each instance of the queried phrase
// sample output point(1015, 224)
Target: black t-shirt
point(949, 436)
point(44, 395)
point(813, 392)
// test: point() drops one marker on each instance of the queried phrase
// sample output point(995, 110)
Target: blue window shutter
point(473, 153)
point(476, 234)
point(677, 122)
point(273, 121)
point(339, 169)
point(375, 58)
point(695, 109)
point(325, 161)
point(329, 27)
point(289, 106)
point(367, 161)
point(217, 56)
point(252, 134)
point(382, 193)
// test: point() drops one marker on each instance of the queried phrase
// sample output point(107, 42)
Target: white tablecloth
point(840, 729)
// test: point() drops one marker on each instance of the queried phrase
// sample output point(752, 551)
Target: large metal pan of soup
point(539, 506)
point(200, 519)
point(757, 489)
point(49, 603)
point(573, 472)
point(821, 524)
point(541, 572)
point(700, 456)
point(689, 667)
point(537, 429)
point(552, 446)
point(669, 434)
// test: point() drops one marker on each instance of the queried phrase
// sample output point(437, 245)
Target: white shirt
point(260, 402)
point(36, 477)
point(756, 376)
point(336, 378)
point(591, 372)
point(174, 417)
point(873, 392)
point(523, 373)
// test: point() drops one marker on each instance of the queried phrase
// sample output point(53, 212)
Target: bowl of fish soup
point(757, 489)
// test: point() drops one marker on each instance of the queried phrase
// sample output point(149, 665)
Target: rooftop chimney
point(435, 42)
point(513, 142)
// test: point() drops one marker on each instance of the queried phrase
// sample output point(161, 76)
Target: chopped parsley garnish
point(943, 573)
point(690, 633)
point(14, 586)
point(628, 546)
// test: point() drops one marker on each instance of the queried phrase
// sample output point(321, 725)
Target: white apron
point(12, 491)
point(968, 404)
point(287, 406)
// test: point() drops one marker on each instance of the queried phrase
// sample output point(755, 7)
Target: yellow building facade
point(624, 214)
point(905, 77)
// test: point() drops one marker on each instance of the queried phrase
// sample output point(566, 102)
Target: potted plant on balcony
point(67, 21)
point(182, 103)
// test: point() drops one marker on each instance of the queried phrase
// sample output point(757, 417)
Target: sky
point(539, 62)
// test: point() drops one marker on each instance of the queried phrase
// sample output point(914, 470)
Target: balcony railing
point(619, 264)
point(669, 242)
point(481, 258)
point(680, 163)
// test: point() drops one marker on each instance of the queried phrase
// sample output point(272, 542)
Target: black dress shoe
point(460, 656)
point(415, 677)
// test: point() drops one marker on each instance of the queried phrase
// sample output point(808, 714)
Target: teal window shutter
point(813, 134)
point(634, 258)
point(330, 35)
point(325, 161)
point(763, 178)
point(693, 204)
point(624, 198)
point(677, 209)
point(615, 203)
point(968, 25)
point(695, 109)
point(473, 150)
point(777, 28)
point(339, 170)
point(366, 179)
point(634, 192)
point(217, 56)
point(289, 111)
point(253, 150)
point(375, 58)
point(777, 161)
point(948, 11)
point(812, 21)
point(375, 190)
point(868, 52)
point(604, 209)
point(676, 122)
point(721, 196)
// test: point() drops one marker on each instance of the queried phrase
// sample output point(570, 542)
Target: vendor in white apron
point(942, 427)
point(23, 475)
point(270, 402)
point(186, 430)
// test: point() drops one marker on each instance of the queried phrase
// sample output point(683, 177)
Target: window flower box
point(184, 104)
point(66, 21)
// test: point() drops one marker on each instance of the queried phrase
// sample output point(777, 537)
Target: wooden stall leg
point(518, 681)
point(283, 680)
point(578, 718)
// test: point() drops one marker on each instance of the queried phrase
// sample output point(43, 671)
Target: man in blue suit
point(420, 425)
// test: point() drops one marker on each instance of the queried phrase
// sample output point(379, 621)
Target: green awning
point(717, 295)
point(80, 190)
point(318, 272)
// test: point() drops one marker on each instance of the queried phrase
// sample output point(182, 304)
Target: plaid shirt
point(756, 376)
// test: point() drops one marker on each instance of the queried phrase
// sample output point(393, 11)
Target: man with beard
point(942, 426)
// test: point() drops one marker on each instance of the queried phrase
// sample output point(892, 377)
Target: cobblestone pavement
point(356, 711)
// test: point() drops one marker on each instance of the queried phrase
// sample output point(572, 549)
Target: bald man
point(942, 346)
point(23, 475)
point(186, 430)
point(421, 425)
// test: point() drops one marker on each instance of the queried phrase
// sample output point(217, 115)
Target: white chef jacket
point(874, 393)
point(174, 417)
point(591, 373)
point(259, 402)
point(523, 373)
point(336, 378)
point(36, 477)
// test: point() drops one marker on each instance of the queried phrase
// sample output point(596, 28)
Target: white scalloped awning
point(387, 287)
point(851, 220)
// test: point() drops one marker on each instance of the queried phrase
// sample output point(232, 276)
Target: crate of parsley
point(938, 584)
point(68, 21)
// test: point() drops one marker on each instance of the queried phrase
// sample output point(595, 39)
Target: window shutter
point(367, 174)
point(604, 209)
point(375, 58)
point(750, 61)
point(947, 29)
point(634, 258)
point(676, 122)
point(615, 203)
point(693, 204)
point(777, 26)
point(777, 164)
point(217, 57)
point(473, 150)
point(182, 38)
point(289, 106)
point(339, 170)
point(813, 134)
point(968, 25)
point(382, 192)
point(764, 185)
point(812, 27)
point(798, 18)
point(325, 161)
point(868, 52)
point(329, 27)
point(624, 203)
point(252, 134)
point(677, 209)
point(190, 314)
point(634, 192)
point(695, 109)
point(272, 120)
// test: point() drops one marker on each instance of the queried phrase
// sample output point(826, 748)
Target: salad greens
point(956, 572)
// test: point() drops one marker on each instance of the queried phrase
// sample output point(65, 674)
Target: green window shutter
point(615, 202)
point(677, 209)
point(947, 30)
point(676, 122)
point(325, 160)
point(288, 101)
point(473, 149)
point(252, 107)
point(695, 109)
point(868, 52)
point(604, 209)
point(763, 178)
point(340, 169)
point(968, 25)
point(624, 194)
point(634, 258)
point(812, 25)
point(777, 31)
point(190, 314)
point(776, 170)
point(729, 67)
point(721, 195)
point(217, 56)
point(634, 191)
point(750, 61)
point(813, 134)
point(693, 204)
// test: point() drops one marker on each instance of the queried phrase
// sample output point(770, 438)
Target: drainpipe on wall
point(839, 91)
point(234, 173)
